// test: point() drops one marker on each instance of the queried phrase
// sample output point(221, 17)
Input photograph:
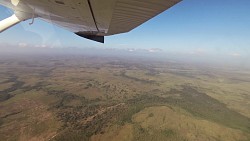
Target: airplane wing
point(91, 19)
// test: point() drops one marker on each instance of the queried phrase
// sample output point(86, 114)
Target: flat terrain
point(91, 98)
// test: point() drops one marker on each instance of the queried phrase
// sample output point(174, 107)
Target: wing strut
point(9, 22)
point(14, 19)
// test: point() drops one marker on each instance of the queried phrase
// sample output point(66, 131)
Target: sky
point(197, 27)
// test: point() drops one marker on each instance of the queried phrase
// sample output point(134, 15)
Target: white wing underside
point(92, 17)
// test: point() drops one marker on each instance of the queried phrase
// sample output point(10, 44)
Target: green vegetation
point(168, 132)
point(71, 135)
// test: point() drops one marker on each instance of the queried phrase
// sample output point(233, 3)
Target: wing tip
point(96, 38)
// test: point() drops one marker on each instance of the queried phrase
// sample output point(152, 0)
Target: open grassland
point(101, 99)
point(169, 123)
point(159, 125)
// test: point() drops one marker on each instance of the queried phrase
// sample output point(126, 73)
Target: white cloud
point(151, 50)
point(235, 54)
point(131, 50)
point(154, 50)
point(198, 51)
point(42, 46)
point(22, 45)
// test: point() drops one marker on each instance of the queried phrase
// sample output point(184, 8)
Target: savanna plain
point(105, 98)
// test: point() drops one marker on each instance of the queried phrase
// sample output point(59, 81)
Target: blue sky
point(192, 26)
